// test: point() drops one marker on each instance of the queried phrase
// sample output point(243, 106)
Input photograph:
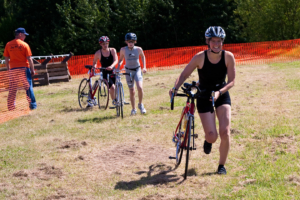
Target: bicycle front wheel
point(83, 93)
point(179, 149)
point(117, 93)
point(188, 137)
point(103, 95)
point(121, 100)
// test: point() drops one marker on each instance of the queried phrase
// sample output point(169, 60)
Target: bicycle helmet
point(215, 31)
point(103, 39)
point(130, 36)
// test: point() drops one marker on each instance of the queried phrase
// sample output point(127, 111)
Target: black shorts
point(112, 79)
point(204, 105)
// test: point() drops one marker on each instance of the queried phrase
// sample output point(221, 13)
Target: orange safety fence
point(171, 58)
point(13, 99)
point(245, 54)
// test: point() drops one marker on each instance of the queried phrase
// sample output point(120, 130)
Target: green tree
point(125, 17)
point(1, 50)
point(84, 21)
point(269, 20)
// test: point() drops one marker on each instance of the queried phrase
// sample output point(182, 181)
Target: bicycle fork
point(190, 133)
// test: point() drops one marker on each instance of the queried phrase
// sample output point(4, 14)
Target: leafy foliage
point(1, 50)
point(269, 20)
point(61, 26)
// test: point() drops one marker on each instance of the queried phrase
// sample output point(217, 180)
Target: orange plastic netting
point(245, 54)
point(171, 58)
point(13, 98)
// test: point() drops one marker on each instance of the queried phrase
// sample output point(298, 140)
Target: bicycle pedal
point(126, 103)
point(171, 157)
point(195, 135)
point(194, 148)
point(112, 107)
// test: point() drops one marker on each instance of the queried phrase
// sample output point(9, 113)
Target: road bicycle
point(119, 93)
point(185, 128)
point(86, 92)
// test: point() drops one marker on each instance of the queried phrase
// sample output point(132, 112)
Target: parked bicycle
point(185, 128)
point(119, 93)
point(86, 92)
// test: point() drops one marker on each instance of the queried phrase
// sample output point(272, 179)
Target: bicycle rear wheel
point(83, 93)
point(103, 95)
point(188, 137)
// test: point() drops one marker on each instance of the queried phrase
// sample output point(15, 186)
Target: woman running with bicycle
point(213, 65)
point(108, 58)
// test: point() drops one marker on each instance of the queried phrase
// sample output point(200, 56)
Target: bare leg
point(112, 92)
point(132, 97)
point(224, 117)
point(209, 125)
point(139, 85)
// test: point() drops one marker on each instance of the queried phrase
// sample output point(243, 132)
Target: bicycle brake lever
point(172, 101)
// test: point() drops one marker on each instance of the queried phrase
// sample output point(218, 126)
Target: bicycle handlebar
point(118, 73)
point(187, 89)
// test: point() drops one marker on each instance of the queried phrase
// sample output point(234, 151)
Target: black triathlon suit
point(106, 62)
point(212, 78)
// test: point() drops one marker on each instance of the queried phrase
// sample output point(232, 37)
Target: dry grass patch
point(60, 151)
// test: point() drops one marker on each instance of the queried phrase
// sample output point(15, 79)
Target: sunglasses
point(131, 41)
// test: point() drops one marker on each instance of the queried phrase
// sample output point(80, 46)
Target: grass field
point(60, 151)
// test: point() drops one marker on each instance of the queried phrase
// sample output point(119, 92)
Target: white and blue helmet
point(215, 31)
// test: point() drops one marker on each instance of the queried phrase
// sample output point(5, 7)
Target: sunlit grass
point(92, 154)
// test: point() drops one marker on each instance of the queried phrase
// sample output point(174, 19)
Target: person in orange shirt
point(18, 60)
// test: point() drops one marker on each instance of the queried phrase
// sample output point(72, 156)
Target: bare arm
point(141, 53)
point(7, 62)
point(96, 58)
point(188, 70)
point(230, 64)
point(31, 65)
point(115, 59)
point(122, 55)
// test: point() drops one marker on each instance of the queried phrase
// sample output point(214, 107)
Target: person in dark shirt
point(108, 58)
point(213, 65)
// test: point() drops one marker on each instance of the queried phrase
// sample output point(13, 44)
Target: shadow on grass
point(209, 174)
point(97, 119)
point(157, 179)
point(67, 110)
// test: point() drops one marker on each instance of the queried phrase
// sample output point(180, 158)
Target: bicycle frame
point(92, 74)
point(189, 111)
point(119, 85)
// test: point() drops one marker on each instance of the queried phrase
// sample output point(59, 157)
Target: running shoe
point(142, 108)
point(133, 112)
point(207, 147)
point(221, 170)
point(95, 101)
